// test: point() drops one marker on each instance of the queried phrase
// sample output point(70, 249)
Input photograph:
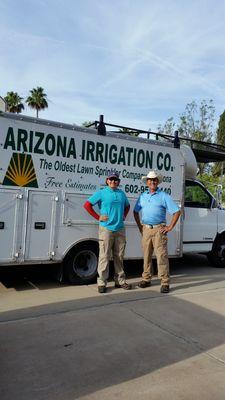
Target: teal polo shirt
point(153, 207)
point(111, 203)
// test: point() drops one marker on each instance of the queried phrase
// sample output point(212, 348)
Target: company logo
point(21, 171)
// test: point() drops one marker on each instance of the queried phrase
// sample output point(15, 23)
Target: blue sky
point(138, 62)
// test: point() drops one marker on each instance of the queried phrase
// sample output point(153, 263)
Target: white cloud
point(136, 62)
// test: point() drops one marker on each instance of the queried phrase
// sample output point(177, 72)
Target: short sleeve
point(95, 198)
point(171, 206)
point(138, 206)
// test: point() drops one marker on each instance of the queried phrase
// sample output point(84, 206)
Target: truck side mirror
point(214, 203)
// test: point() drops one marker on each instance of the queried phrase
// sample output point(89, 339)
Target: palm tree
point(14, 102)
point(37, 99)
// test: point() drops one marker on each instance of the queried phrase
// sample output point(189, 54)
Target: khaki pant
point(154, 240)
point(111, 243)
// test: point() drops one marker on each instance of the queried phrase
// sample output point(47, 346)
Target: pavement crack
point(187, 340)
point(162, 328)
point(218, 359)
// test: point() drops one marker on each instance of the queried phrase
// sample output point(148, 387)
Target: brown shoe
point(144, 284)
point(101, 289)
point(125, 286)
point(165, 289)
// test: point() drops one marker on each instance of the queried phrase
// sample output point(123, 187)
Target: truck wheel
point(80, 266)
point(216, 257)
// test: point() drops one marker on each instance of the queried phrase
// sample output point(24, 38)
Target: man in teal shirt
point(114, 207)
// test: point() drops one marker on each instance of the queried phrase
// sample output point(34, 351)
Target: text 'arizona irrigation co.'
point(64, 146)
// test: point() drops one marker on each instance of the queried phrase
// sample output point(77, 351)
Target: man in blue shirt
point(114, 207)
point(153, 205)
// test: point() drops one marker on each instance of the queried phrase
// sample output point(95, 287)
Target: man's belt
point(154, 226)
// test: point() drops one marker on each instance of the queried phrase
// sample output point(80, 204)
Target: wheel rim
point(85, 263)
point(221, 253)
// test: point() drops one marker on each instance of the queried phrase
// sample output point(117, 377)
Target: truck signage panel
point(55, 158)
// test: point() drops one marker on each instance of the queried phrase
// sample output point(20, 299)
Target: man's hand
point(165, 229)
point(140, 227)
point(103, 218)
point(168, 228)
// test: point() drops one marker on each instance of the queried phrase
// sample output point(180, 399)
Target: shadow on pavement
point(75, 348)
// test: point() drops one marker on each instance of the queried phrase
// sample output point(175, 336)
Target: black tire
point(216, 257)
point(80, 265)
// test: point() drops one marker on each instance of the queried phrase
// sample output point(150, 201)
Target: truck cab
point(200, 217)
point(204, 219)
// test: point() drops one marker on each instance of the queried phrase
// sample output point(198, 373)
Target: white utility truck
point(49, 169)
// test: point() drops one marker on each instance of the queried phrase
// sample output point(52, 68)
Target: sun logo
point(21, 171)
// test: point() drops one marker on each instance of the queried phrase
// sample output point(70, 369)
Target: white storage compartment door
point(40, 226)
point(9, 213)
point(74, 212)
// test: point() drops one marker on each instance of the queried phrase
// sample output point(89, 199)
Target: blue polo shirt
point(154, 206)
point(111, 203)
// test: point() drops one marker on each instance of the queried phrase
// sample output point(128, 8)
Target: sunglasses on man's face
point(113, 179)
point(152, 179)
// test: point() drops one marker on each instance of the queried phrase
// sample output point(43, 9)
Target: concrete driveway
point(69, 342)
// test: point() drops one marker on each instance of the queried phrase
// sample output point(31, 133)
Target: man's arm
point(138, 222)
point(126, 211)
point(89, 208)
point(173, 222)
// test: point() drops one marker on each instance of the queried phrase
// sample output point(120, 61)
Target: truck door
point(41, 226)
point(10, 235)
point(200, 218)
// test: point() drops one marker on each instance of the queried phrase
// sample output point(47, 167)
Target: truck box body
point(49, 169)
